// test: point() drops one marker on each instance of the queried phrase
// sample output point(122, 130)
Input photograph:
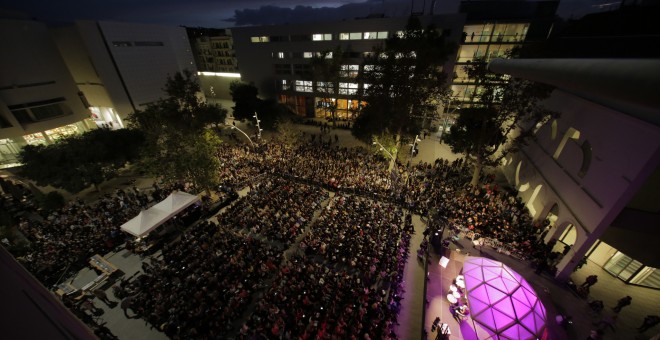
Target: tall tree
point(403, 81)
point(500, 119)
point(76, 162)
point(246, 100)
point(179, 146)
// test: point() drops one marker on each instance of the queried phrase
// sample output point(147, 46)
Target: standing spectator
point(649, 322)
point(590, 281)
point(625, 301)
point(607, 321)
point(101, 295)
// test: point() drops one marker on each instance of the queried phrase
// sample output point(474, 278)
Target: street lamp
point(412, 148)
point(234, 127)
point(259, 129)
point(382, 148)
point(445, 116)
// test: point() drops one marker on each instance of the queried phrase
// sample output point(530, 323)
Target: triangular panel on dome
point(511, 333)
point(480, 293)
point(520, 295)
point(508, 273)
point(487, 320)
point(495, 295)
point(477, 307)
point(499, 284)
point(530, 322)
point(506, 307)
point(531, 296)
point(503, 320)
point(491, 273)
point(472, 282)
point(521, 309)
point(511, 285)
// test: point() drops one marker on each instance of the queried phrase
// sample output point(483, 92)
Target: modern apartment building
point(216, 60)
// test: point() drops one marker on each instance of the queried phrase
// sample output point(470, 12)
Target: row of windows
point(322, 87)
point(328, 55)
point(325, 37)
point(346, 71)
point(136, 43)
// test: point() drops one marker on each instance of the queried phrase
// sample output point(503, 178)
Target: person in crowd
point(649, 322)
point(623, 302)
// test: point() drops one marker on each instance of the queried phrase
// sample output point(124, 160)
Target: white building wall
point(144, 69)
point(624, 153)
point(32, 70)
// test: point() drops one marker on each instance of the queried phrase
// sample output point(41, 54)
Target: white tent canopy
point(151, 218)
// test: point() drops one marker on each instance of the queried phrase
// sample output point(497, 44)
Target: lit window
point(370, 35)
point(260, 39)
point(344, 36)
point(355, 36)
point(280, 55)
point(350, 71)
point(399, 34)
point(322, 37)
point(324, 87)
point(348, 88)
point(285, 85)
point(303, 86)
point(328, 55)
point(307, 55)
point(382, 35)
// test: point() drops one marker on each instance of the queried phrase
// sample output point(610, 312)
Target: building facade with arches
point(594, 171)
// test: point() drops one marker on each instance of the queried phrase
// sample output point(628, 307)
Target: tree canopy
point(327, 73)
point(76, 162)
point(247, 103)
point(179, 147)
point(246, 100)
point(500, 106)
point(405, 82)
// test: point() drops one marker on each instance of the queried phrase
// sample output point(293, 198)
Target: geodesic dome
point(502, 301)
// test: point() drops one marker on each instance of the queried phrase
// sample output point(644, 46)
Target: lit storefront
point(106, 117)
point(347, 109)
point(623, 266)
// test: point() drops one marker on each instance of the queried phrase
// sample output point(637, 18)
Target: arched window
point(530, 202)
point(570, 133)
point(586, 159)
point(553, 133)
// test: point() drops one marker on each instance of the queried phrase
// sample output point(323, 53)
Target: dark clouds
point(226, 13)
point(268, 15)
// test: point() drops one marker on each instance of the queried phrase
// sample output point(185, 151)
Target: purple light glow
point(502, 301)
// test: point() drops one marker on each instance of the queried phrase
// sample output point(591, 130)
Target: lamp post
point(382, 148)
point(395, 175)
point(259, 129)
point(445, 116)
point(412, 148)
point(234, 127)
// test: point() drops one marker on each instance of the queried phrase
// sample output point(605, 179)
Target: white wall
point(32, 70)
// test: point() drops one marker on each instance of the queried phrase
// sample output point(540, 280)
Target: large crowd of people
point(343, 279)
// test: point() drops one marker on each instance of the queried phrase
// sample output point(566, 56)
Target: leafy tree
point(76, 162)
point(405, 83)
point(327, 73)
point(499, 107)
point(246, 100)
point(179, 146)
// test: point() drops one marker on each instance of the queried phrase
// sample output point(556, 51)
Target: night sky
point(228, 13)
